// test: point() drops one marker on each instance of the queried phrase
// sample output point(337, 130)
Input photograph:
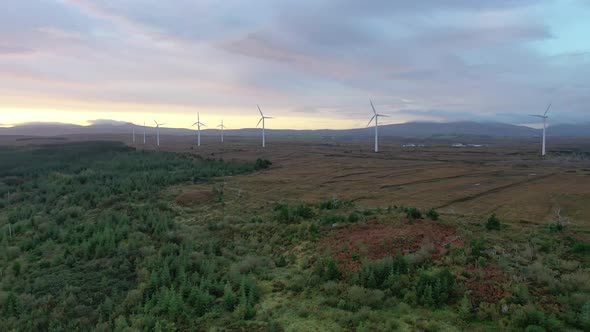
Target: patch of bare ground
point(372, 240)
point(485, 284)
point(194, 197)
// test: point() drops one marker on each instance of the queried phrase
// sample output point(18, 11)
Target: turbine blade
point(156, 122)
point(368, 124)
point(537, 116)
point(373, 107)
point(268, 117)
point(383, 115)
point(259, 110)
point(194, 124)
point(548, 107)
point(259, 122)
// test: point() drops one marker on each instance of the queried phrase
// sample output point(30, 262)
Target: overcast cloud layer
point(418, 60)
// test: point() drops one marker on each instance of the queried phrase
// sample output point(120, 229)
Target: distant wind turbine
point(158, 131)
point(199, 124)
point(144, 132)
point(133, 134)
point(262, 118)
point(376, 117)
point(544, 117)
point(222, 128)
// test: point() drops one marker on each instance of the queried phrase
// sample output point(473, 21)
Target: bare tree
point(560, 220)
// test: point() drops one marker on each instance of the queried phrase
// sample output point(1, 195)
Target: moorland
point(305, 235)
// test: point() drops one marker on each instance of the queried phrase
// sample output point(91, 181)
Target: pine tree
point(229, 298)
point(427, 298)
point(11, 306)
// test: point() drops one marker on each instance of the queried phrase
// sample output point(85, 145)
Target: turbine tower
point(158, 132)
point(544, 117)
point(199, 124)
point(376, 117)
point(144, 132)
point(133, 134)
point(222, 127)
point(262, 118)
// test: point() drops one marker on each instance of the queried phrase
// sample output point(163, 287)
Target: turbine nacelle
point(544, 117)
point(376, 116)
point(199, 124)
point(262, 117)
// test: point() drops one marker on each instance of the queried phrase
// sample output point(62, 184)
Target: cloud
point(15, 50)
point(107, 122)
point(457, 59)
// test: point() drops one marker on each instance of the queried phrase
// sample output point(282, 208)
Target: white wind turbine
point(199, 124)
point(144, 132)
point(376, 117)
point(133, 134)
point(262, 118)
point(222, 128)
point(158, 131)
point(544, 117)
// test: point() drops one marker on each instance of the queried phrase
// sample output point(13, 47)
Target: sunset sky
point(308, 63)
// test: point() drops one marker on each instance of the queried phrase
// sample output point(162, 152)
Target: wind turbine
point(158, 131)
point(133, 134)
point(376, 117)
point(544, 117)
point(222, 127)
point(144, 132)
point(199, 124)
point(262, 118)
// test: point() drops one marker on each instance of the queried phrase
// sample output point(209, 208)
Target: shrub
point(313, 232)
point(333, 219)
point(333, 204)
point(354, 217)
point(584, 318)
point(432, 214)
point(230, 300)
point(283, 213)
point(377, 274)
point(359, 297)
point(286, 214)
point(413, 213)
point(16, 268)
point(435, 289)
point(580, 247)
point(262, 164)
point(527, 316)
point(304, 211)
point(493, 223)
point(477, 248)
point(465, 308)
point(326, 269)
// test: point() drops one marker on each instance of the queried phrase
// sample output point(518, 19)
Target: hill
point(405, 130)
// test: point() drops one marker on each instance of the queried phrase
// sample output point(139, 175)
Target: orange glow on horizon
point(17, 110)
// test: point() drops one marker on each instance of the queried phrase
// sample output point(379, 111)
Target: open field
point(328, 238)
point(500, 178)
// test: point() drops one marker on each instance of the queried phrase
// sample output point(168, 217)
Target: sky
point(310, 64)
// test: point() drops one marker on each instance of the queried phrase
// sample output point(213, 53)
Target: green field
point(99, 236)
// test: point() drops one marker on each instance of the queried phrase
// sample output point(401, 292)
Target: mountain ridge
point(404, 130)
